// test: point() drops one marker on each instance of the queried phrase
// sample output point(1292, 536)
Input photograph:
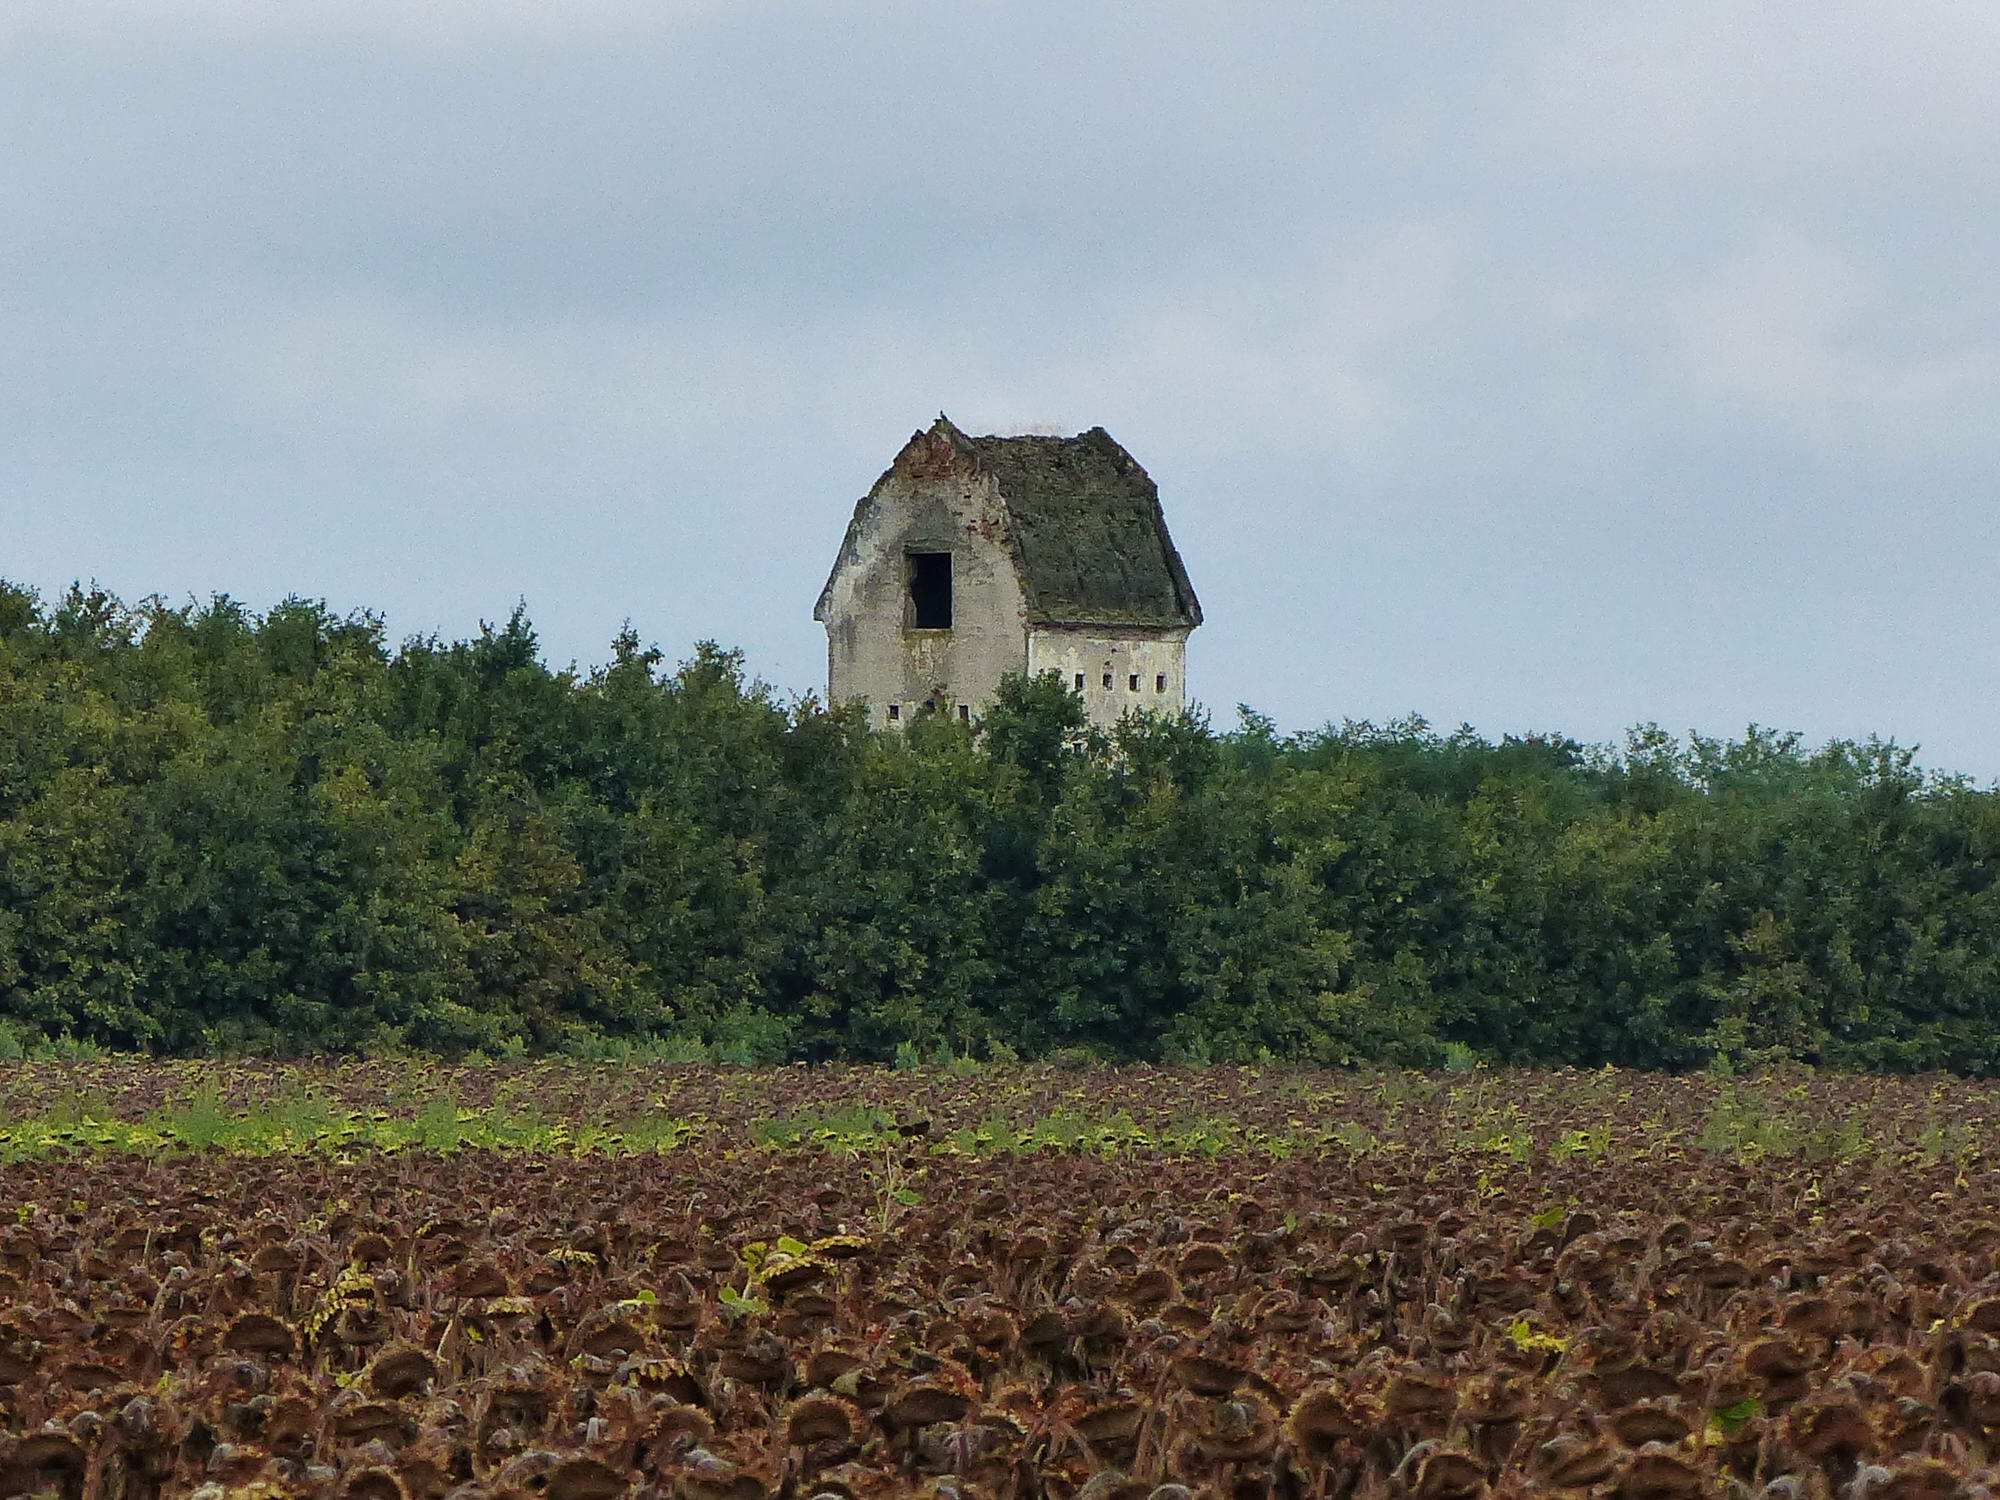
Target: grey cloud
point(1554, 366)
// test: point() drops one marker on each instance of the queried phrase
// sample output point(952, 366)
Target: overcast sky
point(1543, 366)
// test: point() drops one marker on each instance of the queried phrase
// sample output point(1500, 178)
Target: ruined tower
point(973, 557)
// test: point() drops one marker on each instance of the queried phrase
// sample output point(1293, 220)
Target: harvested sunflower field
point(382, 1281)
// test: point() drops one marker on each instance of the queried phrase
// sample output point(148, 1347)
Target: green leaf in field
point(1525, 1336)
point(906, 1196)
point(1727, 1421)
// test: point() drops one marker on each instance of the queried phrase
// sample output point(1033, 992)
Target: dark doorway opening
point(930, 590)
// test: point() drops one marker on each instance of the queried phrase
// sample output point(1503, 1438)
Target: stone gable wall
point(931, 500)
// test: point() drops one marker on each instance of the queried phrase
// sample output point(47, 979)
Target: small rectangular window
point(1079, 682)
point(1160, 683)
point(965, 713)
point(1132, 683)
point(895, 712)
point(1107, 679)
point(930, 590)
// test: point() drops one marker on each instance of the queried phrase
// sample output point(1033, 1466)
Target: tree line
point(223, 832)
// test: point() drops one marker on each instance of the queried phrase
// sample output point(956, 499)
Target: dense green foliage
point(224, 832)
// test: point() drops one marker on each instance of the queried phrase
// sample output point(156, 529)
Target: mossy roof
point(1088, 527)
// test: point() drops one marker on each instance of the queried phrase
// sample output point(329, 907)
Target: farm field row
point(251, 1107)
point(1022, 1282)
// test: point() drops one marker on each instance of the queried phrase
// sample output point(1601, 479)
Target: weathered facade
point(973, 557)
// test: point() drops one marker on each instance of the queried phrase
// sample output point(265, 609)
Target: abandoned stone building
point(974, 557)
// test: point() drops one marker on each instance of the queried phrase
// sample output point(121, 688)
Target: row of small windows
point(930, 706)
point(1131, 682)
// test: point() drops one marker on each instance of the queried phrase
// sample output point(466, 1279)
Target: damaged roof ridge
point(1088, 527)
point(1084, 525)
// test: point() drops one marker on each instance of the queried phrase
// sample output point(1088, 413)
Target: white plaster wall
point(1094, 655)
point(930, 500)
